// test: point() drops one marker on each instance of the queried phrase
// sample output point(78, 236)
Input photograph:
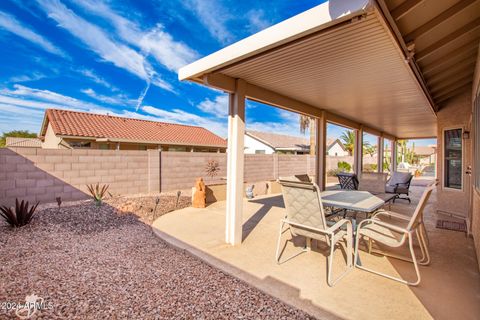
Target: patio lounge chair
point(393, 230)
point(399, 184)
point(305, 217)
point(348, 181)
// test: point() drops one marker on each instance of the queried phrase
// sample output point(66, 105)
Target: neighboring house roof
point(280, 141)
point(118, 129)
point(16, 142)
point(423, 150)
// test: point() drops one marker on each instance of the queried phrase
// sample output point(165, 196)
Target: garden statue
point(249, 191)
point(199, 197)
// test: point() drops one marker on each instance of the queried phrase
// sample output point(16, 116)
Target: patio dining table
point(354, 200)
point(359, 201)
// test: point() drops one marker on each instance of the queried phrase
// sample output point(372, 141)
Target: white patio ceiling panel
point(355, 70)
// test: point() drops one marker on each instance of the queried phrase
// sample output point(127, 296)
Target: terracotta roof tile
point(82, 124)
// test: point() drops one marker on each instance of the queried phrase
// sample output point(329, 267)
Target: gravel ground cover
point(90, 262)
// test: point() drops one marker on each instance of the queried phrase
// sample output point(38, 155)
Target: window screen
point(453, 158)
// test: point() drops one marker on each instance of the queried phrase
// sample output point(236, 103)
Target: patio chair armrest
point(383, 224)
point(391, 214)
point(322, 231)
point(340, 223)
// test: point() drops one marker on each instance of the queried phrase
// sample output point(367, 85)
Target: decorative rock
point(199, 197)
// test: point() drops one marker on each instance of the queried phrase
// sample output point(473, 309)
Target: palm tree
point(307, 122)
point(348, 140)
point(369, 149)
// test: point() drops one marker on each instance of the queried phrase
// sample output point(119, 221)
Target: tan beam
point(375, 132)
point(272, 98)
point(447, 39)
point(460, 70)
point(342, 121)
point(450, 82)
point(470, 47)
point(405, 8)
point(219, 81)
point(453, 93)
point(467, 56)
point(445, 15)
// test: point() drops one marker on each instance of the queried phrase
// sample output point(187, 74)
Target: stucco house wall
point(336, 150)
point(253, 146)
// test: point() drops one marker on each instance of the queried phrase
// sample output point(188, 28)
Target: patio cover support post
point(394, 155)
point(235, 161)
point(380, 154)
point(321, 150)
point(358, 152)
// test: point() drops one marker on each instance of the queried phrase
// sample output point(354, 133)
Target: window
point(259, 151)
point(476, 141)
point(103, 146)
point(453, 158)
point(80, 144)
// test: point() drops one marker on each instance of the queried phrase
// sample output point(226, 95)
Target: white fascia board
point(320, 17)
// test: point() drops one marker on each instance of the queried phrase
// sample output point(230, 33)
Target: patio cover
point(340, 57)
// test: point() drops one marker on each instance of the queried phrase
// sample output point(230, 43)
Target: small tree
point(16, 133)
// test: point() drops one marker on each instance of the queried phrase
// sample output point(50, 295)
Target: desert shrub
point(344, 166)
point(98, 192)
point(20, 216)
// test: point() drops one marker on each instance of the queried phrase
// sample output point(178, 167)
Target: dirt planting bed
point(89, 262)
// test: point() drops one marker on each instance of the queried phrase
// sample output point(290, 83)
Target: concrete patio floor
point(450, 286)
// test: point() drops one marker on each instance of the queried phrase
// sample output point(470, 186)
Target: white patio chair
point(393, 230)
point(305, 217)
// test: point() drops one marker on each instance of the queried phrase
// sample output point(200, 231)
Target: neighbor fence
point(42, 175)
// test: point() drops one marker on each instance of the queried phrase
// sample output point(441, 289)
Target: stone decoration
point(199, 196)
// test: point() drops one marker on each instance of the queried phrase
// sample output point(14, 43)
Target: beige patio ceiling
point(340, 57)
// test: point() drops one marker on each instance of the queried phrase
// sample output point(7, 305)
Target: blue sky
point(122, 57)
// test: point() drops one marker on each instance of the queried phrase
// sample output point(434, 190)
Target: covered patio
point(365, 65)
point(449, 290)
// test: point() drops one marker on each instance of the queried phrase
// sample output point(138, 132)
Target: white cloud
point(257, 20)
point(217, 107)
point(213, 17)
point(170, 53)
point(155, 42)
point(41, 99)
point(14, 26)
point(98, 41)
point(96, 78)
point(117, 99)
point(27, 77)
point(217, 126)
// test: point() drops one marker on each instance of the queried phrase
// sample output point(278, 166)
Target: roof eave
point(104, 139)
point(320, 17)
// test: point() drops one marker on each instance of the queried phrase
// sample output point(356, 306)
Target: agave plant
point(98, 192)
point(20, 216)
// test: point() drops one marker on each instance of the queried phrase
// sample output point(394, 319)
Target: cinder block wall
point(179, 170)
point(44, 174)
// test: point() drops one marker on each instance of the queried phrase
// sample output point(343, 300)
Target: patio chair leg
point(423, 243)
point(279, 252)
point(425, 234)
point(414, 260)
point(349, 241)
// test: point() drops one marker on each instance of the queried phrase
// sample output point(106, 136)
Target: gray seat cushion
point(398, 182)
